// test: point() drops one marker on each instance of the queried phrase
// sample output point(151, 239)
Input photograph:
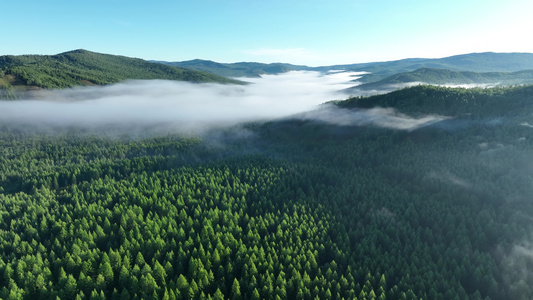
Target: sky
point(311, 32)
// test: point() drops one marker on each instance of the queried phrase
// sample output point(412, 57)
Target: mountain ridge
point(436, 76)
point(237, 69)
point(476, 62)
point(83, 67)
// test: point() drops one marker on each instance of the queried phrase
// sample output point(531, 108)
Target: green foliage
point(322, 212)
point(448, 77)
point(474, 103)
point(241, 69)
point(81, 67)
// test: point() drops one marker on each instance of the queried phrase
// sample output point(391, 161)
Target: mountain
point(82, 67)
point(475, 62)
point(473, 68)
point(446, 77)
point(511, 102)
point(240, 69)
point(421, 193)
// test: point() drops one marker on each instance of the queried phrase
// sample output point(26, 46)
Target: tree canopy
point(298, 210)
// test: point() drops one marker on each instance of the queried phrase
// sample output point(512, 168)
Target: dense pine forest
point(82, 67)
point(295, 209)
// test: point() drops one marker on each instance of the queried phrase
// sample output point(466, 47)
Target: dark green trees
point(322, 212)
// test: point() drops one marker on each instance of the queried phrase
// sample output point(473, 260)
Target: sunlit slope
point(81, 67)
point(498, 101)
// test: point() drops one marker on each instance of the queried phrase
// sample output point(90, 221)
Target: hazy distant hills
point(475, 68)
point(82, 67)
point(474, 62)
point(240, 69)
point(447, 77)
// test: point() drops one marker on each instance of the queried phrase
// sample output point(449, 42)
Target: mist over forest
point(295, 184)
point(186, 107)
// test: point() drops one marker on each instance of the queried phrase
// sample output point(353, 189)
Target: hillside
point(447, 77)
point(474, 62)
point(81, 67)
point(512, 102)
point(240, 69)
point(301, 208)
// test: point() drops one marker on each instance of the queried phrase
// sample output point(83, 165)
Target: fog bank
point(381, 117)
point(180, 106)
point(145, 107)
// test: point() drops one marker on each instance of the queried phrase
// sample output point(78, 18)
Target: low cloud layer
point(356, 90)
point(184, 107)
point(144, 107)
point(517, 274)
point(381, 117)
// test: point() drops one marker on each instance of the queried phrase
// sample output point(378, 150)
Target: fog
point(517, 274)
point(356, 90)
point(381, 117)
point(148, 106)
point(180, 106)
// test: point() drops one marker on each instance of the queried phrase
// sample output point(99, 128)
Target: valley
point(419, 193)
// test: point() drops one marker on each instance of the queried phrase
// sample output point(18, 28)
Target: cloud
point(470, 85)
point(381, 117)
point(176, 106)
point(148, 106)
point(449, 178)
point(360, 90)
point(517, 274)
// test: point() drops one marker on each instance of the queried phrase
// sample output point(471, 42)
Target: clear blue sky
point(311, 32)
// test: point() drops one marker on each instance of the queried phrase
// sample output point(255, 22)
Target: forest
point(85, 68)
point(296, 209)
point(448, 77)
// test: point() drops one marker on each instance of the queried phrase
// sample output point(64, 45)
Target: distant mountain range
point(474, 62)
point(475, 68)
point(240, 69)
point(82, 67)
point(446, 77)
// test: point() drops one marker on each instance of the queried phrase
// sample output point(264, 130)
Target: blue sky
point(311, 32)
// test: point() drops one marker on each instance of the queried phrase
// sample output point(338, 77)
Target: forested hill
point(474, 62)
point(448, 77)
point(295, 209)
point(424, 99)
point(81, 67)
point(240, 69)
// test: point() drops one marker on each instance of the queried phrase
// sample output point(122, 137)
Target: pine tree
point(218, 295)
point(236, 290)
